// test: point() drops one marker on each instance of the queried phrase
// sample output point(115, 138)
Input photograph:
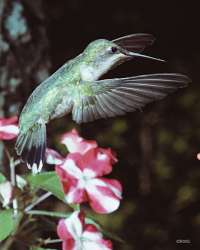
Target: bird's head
point(102, 55)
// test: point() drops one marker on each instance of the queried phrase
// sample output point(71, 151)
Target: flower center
point(86, 176)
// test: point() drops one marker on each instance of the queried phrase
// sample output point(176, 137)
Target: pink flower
point(81, 176)
point(77, 144)
point(81, 173)
point(53, 157)
point(77, 235)
point(5, 193)
point(8, 128)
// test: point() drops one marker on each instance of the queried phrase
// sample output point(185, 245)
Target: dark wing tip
point(32, 153)
point(137, 37)
point(181, 79)
point(34, 157)
point(147, 37)
point(187, 80)
point(135, 42)
point(32, 146)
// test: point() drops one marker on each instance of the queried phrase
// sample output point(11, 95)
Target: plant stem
point(75, 206)
point(13, 182)
point(7, 152)
point(17, 162)
point(39, 200)
point(8, 243)
point(49, 241)
point(12, 172)
point(48, 213)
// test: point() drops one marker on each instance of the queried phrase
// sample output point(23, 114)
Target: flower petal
point(98, 160)
point(104, 195)
point(98, 245)
point(8, 128)
point(53, 157)
point(71, 168)
point(7, 121)
point(76, 195)
point(93, 239)
point(92, 233)
point(6, 191)
point(77, 144)
point(114, 185)
point(75, 224)
point(62, 231)
point(72, 179)
point(72, 227)
point(69, 245)
point(8, 132)
point(111, 155)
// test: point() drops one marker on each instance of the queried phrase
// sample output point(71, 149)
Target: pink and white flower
point(81, 173)
point(77, 144)
point(77, 235)
point(6, 191)
point(53, 157)
point(8, 128)
point(81, 176)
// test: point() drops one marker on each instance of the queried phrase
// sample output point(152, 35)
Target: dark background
point(157, 147)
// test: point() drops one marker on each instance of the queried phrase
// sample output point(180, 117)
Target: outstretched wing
point(135, 42)
point(112, 97)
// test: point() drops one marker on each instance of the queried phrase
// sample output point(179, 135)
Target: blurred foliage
point(157, 147)
point(15, 23)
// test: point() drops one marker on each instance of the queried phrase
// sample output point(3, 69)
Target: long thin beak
point(133, 54)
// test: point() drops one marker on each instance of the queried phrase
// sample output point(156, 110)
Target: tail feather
point(32, 146)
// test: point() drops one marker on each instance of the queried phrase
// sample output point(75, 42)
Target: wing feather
point(95, 113)
point(135, 42)
point(103, 107)
point(112, 105)
point(119, 102)
point(112, 97)
point(105, 103)
point(100, 111)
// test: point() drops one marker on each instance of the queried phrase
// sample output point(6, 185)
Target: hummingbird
point(77, 88)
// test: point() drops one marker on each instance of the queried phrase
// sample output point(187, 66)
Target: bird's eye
point(114, 49)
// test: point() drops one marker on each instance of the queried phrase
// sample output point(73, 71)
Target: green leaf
point(48, 181)
point(2, 178)
point(7, 223)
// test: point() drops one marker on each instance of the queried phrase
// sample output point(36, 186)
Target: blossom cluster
point(76, 234)
point(81, 173)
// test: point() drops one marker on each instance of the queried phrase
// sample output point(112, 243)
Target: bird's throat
point(92, 72)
